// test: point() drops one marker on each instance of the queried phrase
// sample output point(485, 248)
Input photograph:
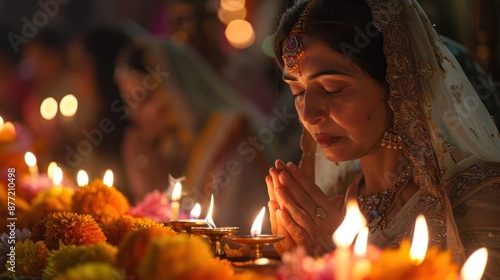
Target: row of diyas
point(206, 228)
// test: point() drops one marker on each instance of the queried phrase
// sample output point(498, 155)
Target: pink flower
point(155, 205)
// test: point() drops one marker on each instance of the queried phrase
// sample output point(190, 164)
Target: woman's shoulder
point(471, 178)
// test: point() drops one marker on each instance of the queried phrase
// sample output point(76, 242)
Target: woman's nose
point(313, 109)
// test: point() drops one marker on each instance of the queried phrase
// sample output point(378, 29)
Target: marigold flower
point(182, 257)
point(396, 264)
point(31, 258)
point(92, 271)
point(67, 228)
point(59, 261)
point(115, 230)
point(100, 201)
point(148, 223)
point(51, 200)
point(19, 235)
point(134, 245)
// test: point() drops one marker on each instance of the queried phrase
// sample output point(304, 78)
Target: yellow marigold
point(145, 222)
point(68, 228)
point(66, 257)
point(31, 258)
point(396, 264)
point(182, 257)
point(92, 271)
point(100, 201)
point(134, 245)
point(50, 201)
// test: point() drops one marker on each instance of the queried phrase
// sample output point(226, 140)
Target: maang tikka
point(293, 49)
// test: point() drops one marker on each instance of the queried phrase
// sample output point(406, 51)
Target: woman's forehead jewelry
point(293, 48)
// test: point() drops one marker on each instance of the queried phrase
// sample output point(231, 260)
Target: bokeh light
point(226, 16)
point(48, 108)
point(68, 105)
point(240, 34)
point(232, 5)
point(267, 46)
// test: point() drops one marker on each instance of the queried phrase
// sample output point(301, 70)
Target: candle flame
point(57, 177)
point(353, 222)
point(195, 212)
point(420, 241)
point(473, 268)
point(257, 224)
point(82, 178)
point(208, 218)
point(1, 124)
point(68, 105)
point(30, 159)
point(361, 243)
point(108, 178)
point(50, 169)
point(48, 108)
point(176, 193)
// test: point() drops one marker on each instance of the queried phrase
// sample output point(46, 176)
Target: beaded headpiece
point(293, 48)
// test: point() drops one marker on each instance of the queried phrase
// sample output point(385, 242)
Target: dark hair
point(340, 24)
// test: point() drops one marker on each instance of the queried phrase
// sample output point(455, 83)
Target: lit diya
point(255, 240)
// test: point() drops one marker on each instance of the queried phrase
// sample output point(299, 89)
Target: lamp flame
point(50, 169)
point(57, 177)
point(353, 222)
point(257, 224)
point(1, 124)
point(82, 178)
point(208, 218)
point(108, 178)
point(420, 241)
point(30, 159)
point(361, 244)
point(176, 193)
point(473, 268)
point(195, 212)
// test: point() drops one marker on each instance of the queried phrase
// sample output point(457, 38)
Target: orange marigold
point(145, 222)
point(182, 257)
point(134, 245)
point(100, 201)
point(68, 228)
point(396, 264)
point(115, 230)
point(51, 200)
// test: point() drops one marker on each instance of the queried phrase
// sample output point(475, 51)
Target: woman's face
point(342, 107)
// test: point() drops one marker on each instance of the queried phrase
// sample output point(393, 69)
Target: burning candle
point(195, 212)
point(362, 265)
point(473, 268)
point(57, 177)
point(30, 160)
point(82, 178)
point(208, 219)
point(420, 241)
point(257, 224)
point(176, 196)
point(8, 132)
point(343, 237)
point(108, 178)
point(50, 170)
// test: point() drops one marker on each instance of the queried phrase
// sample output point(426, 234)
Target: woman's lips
point(325, 141)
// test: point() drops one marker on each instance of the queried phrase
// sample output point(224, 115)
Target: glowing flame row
point(68, 107)
point(354, 223)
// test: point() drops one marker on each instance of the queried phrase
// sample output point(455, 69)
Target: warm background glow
point(240, 34)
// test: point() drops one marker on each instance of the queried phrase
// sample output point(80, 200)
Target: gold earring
point(391, 140)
